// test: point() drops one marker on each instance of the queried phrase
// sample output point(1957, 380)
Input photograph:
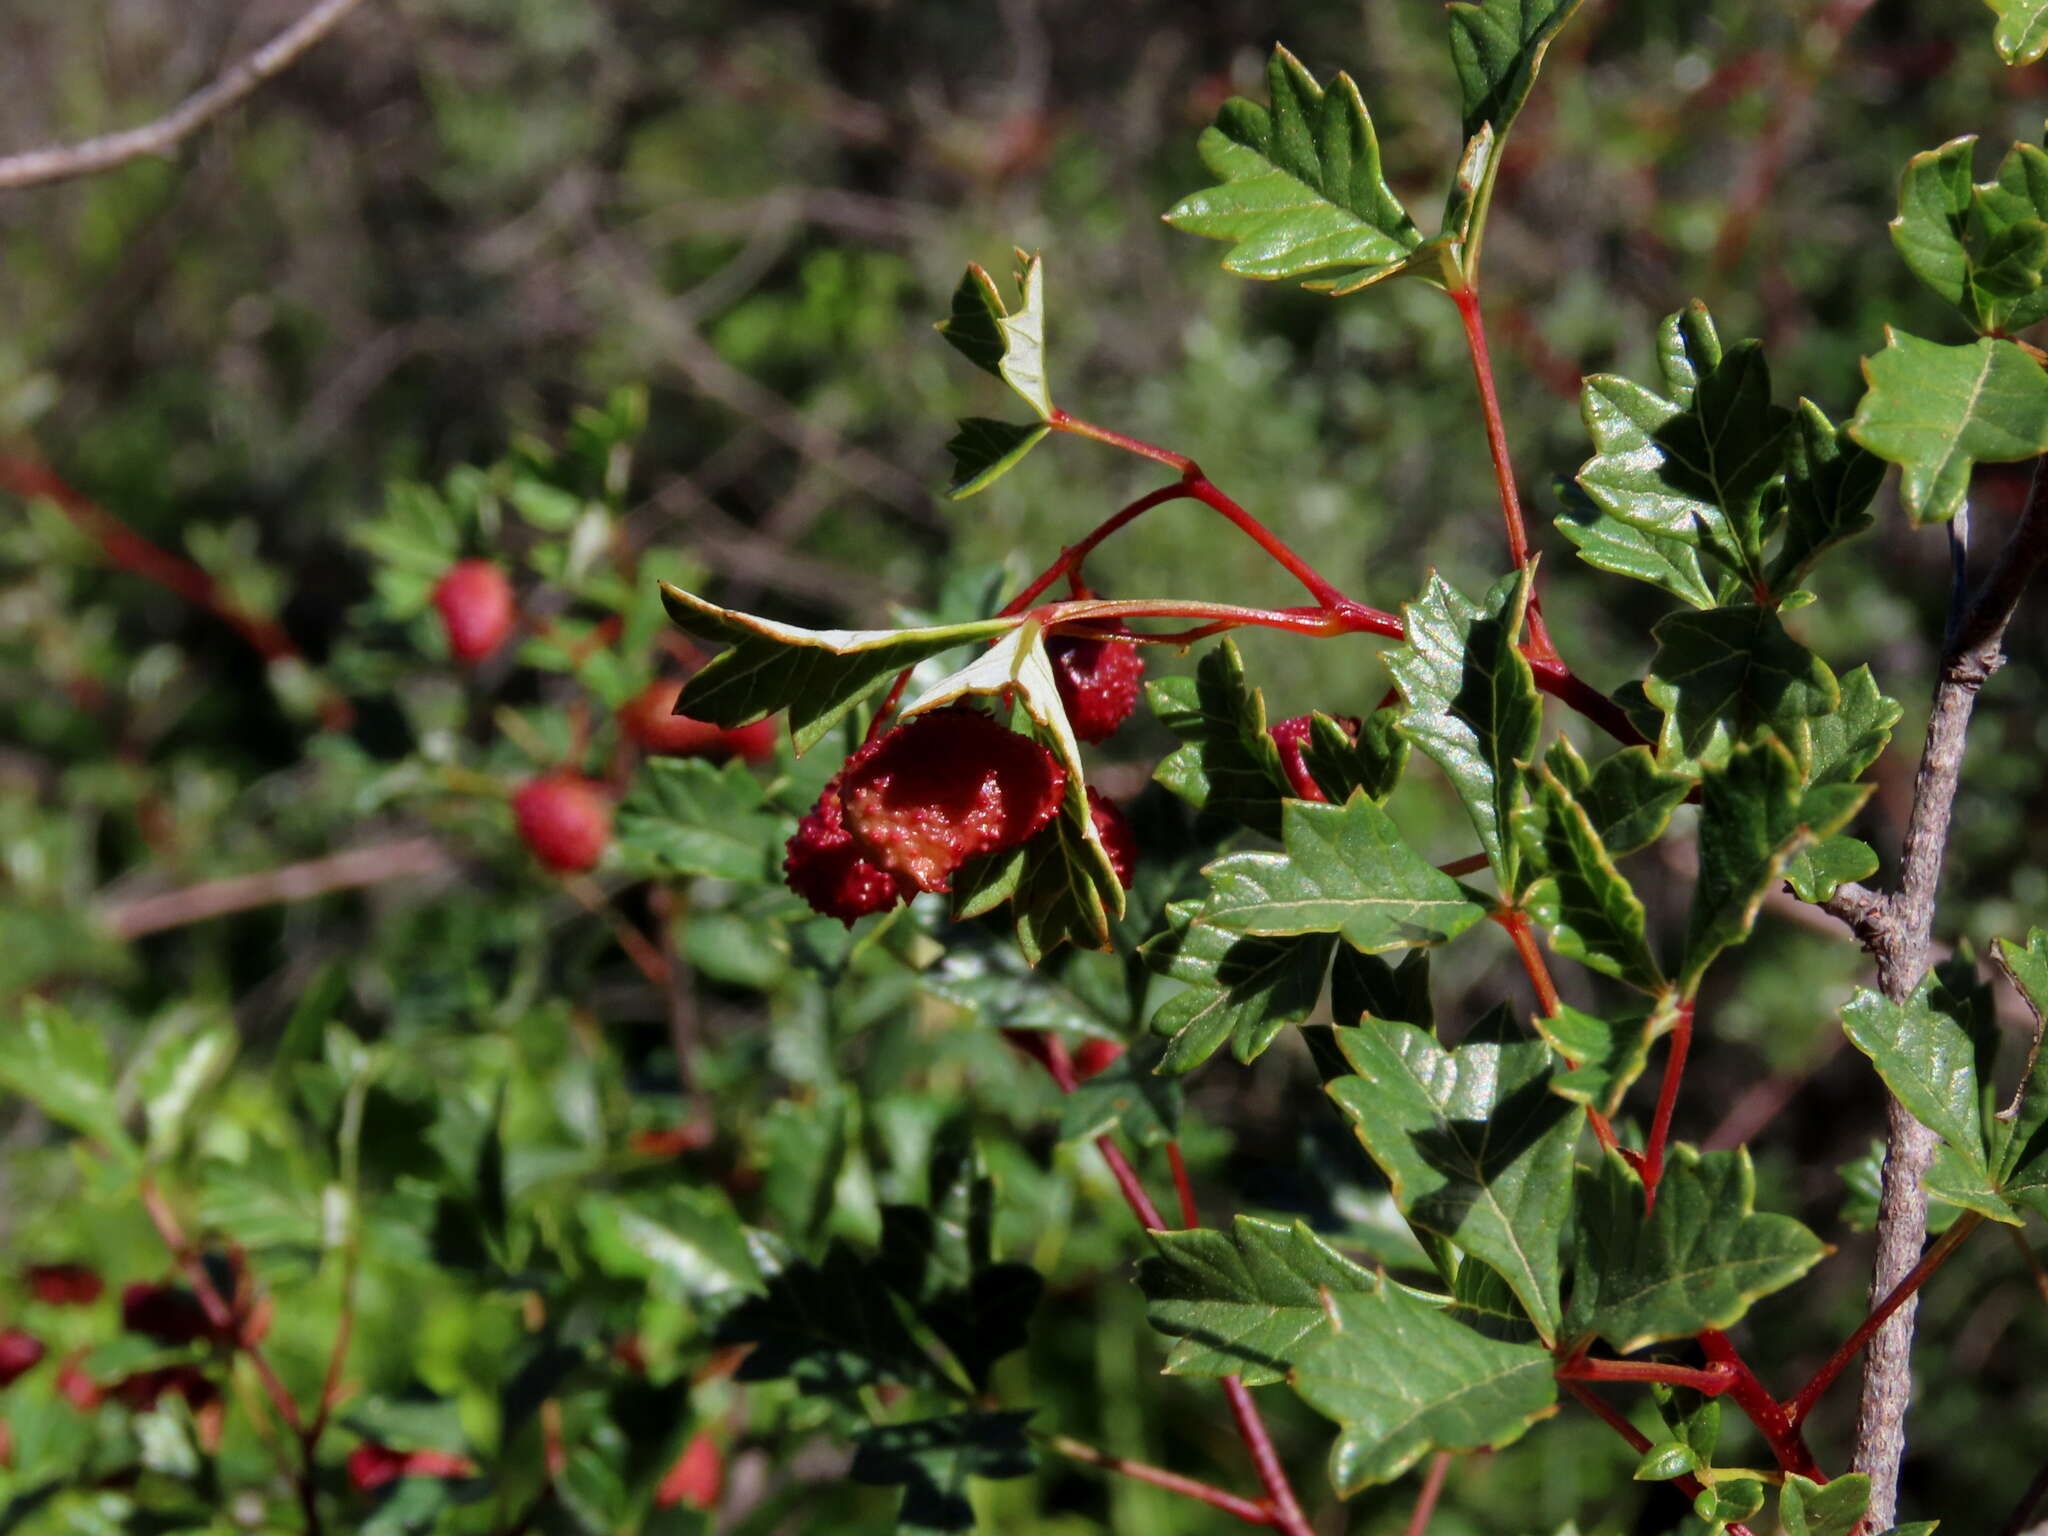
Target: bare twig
point(292, 882)
point(1897, 930)
point(65, 162)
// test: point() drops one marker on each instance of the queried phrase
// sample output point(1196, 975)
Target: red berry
point(1115, 832)
point(19, 1353)
point(169, 1314)
point(675, 1140)
point(77, 1388)
point(565, 819)
point(828, 869)
point(64, 1285)
point(928, 796)
point(649, 718)
point(371, 1466)
point(1098, 681)
point(697, 1480)
point(1094, 1056)
point(438, 1464)
point(1292, 736)
point(476, 607)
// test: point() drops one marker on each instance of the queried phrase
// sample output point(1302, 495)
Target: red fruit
point(169, 1314)
point(1115, 832)
point(1095, 1055)
point(675, 1140)
point(565, 819)
point(476, 607)
point(19, 1353)
point(1292, 736)
point(1098, 681)
point(697, 1480)
point(77, 1388)
point(827, 868)
point(371, 1466)
point(928, 796)
point(143, 1389)
point(649, 718)
point(64, 1285)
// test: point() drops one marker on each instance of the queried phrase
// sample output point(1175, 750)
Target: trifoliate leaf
point(816, 674)
point(1477, 1148)
point(684, 816)
point(1697, 1262)
point(1981, 246)
point(984, 450)
point(1345, 870)
point(1730, 675)
point(1009, 345)
point(1473, 707)
point(1693, 463)
point(1244, 1304)
point(1834, 1508)
point(1935, 1051)
point(1590, 910)
point(1829, 485)
point(932, 1460)
point(1749, 827)
point(1939, 411)
point(1608, 544)
point(1628, 798)
point(1238, 989)
point(1300, 185)
point(1228, 764)
point(1403, 1379)
point(2022, 35)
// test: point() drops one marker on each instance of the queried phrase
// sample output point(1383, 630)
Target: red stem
point(1425, 1501)
point(1279, 1492)
point(1190, 1216)
point(1060, 421)
point(1778, 1427)
point(1523, 932)
point(1713, 1381)
point(1318, 588)
point(1467, 300)
point(131, 552)
point(1071, 557)
point(1936, 1255)
point(1216, 1498)
point(1667, 1102)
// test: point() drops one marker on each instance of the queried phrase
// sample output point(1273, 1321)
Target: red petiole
point(1523, 933)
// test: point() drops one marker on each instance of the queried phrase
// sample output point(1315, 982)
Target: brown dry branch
point(133, 918)
point(66, 162)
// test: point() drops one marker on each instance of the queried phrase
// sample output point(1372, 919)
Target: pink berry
point(697, 1480)
point(1112, 827)
point(1098, 682)
point(1095, 1056)
point(948, 786)
point(565, 819)
point(650, 719)
point(829, 870)
point(476, 607)
point(1292, 735)
point(19, 1352)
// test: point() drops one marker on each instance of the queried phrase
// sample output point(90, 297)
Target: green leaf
point(1128, 1097)
point(2022, 35)
point(1938, 411)
point(1693, 463)
point(1849, 739)
point(1981, 246)
point(1477, 1148)
point(1237, 989)
point(59, 1064)
point(1371, 761)
point(1665, 1460)
point(932, 1460)
point(1835, 1508)
point(1628, 798)
point(984, 450)
point(1606, 1056)
point(1403, 1379)
point(1496, 48)
point(1228, 764)
point(1300, 186)
point(1816, 871)
point(685, 816)
point(816, 674)
point(1473, 706)
point(1608, 544)
point(1829, 485)
point(687, 1240)
point(2020, 1131)
point(1696, 1262)
point(1345, 871)
point(1749, 827)
point(1009, 345)
point(1728, 1499)
point(1935, 1052)
point(1727, 676)
point(176, 1073)
point(1591, 911)
point(1952, 1179)
point(1247, 1303)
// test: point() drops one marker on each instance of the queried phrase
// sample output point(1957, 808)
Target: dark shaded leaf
point(1727, 676)
point(984, 450)
point(1591, 911)
point(1227, 764)
point(932, 1459)
point(1238, 989)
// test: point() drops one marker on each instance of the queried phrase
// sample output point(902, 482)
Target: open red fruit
point(649, 718)
point(1115, 832)
point(476, 607)
point(1098, 681)
point(944, 788)
point(1292, 736)
point(565, 819)
point(19, 1352)
point(825, 866)
point(697, 1480)
point(64, 1285)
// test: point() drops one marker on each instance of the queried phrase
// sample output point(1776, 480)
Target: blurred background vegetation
point(457, 221)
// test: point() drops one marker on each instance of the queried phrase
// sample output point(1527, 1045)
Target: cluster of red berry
point(564, 817)
point(916, 802)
